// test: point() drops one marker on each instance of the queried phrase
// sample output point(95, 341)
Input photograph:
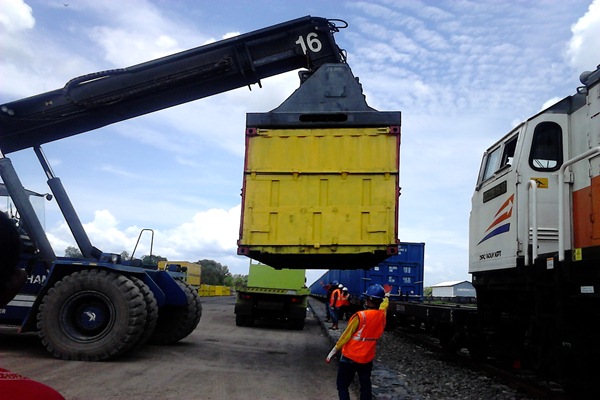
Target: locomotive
point(534, 248)
point(534, 239)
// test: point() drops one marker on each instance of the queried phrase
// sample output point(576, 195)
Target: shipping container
point(191, 271)
point(321, 185)
point(403, 272)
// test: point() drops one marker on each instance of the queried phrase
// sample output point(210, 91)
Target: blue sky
point(462, 73)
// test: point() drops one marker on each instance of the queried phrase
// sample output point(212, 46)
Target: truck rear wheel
point(240, 320)
point(177, 322)
point(92, 315)
point(297, 324)
point(151, 311)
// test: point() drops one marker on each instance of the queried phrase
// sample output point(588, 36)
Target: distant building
point(453, 289)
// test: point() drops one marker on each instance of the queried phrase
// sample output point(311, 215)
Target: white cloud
point(211, 234)
point(16, 16)
point(584, 47)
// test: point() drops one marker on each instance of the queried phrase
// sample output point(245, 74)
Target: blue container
point(403, 272)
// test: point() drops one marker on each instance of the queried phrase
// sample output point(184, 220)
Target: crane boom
point(102, 98)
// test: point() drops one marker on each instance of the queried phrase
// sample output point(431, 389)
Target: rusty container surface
point(320, 198)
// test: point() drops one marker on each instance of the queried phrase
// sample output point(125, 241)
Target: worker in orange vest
point(334, 303)
point(359, 341)
point(344, 309)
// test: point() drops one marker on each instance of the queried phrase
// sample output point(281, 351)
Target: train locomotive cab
point(534, 244)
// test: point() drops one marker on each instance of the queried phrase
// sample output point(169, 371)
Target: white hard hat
point(340, 286)
point(345, 289)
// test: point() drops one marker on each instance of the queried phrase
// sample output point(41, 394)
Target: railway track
point(524, 381)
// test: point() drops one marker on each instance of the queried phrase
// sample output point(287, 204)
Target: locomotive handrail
point(561, 201)
point(532, 216)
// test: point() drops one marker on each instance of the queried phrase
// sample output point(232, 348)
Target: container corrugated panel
point(320, 198)
point(404, 272)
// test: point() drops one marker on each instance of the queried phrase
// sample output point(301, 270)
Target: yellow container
point(321, 198)
point(192, 270)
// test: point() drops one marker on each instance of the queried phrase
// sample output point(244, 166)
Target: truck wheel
point(239, 320)
point(151, 311)
point(297, 324)
point(91, 315)
point(177, 322)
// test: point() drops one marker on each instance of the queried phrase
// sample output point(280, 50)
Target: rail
point(561, 201)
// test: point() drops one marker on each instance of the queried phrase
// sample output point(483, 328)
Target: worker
point(329, 288)
point(344, 308)
point(14, 386)
point(358, 343)
point(334, 304)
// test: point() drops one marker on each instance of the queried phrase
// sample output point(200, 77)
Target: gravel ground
point(405, 371)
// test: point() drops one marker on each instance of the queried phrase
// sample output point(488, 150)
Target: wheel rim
point(87, 316)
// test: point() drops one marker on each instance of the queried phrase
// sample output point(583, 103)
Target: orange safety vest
point(335, 297)
point(361, 346)
point(344, 300)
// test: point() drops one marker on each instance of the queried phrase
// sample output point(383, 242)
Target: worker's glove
point(387, 290)
point(331, 354)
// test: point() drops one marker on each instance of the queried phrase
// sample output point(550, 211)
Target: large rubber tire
point(11, 279)
point(297, 324)
point(92, 315)
point(240, 320)
point(151, 311)
point(177, 322)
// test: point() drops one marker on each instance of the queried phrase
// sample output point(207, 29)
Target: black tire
point(177, 322)
point(151, 311)
point(11, 279)
point(239, 320)
point(91, 315)
point(297, 324)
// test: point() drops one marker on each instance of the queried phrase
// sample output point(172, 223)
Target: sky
point(463, 73)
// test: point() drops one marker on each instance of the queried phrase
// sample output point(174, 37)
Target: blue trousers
point(334, 315)
point(345, 376)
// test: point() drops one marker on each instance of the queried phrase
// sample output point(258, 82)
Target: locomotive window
point(499, 158)
point(491, 164)
point(509, 152)
point(546, 147)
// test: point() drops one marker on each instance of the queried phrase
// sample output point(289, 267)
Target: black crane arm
point(98, 99)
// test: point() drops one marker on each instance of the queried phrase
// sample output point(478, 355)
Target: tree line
point(212, 272)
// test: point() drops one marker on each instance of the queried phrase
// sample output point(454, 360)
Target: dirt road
point(218, 361)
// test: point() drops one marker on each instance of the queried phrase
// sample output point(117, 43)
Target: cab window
point(546, 147)
point(491, 164)
point(499, 158)
point(508, 154)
